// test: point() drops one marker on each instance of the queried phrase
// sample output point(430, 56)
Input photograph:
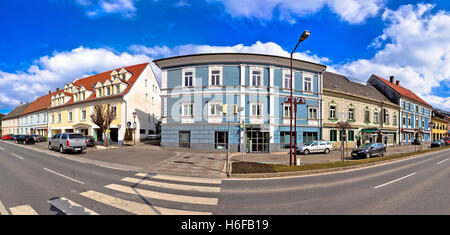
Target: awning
point(81, 126)
point(370, 130)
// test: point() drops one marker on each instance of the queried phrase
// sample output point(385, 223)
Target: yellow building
point(439, 127)
point(132, 92)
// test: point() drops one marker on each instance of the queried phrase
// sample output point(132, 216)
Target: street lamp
point(134, 126)
point(304, 36)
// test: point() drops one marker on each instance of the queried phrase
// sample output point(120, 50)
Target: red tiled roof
point(91, 81)
point(403, 91)
point(40, 103)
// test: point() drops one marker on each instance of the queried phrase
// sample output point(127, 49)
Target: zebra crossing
point(141, 194)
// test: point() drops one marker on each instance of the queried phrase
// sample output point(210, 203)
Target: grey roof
point(340, 83)
point(16, 111)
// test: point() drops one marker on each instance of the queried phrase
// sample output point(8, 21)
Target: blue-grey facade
point(197, 89)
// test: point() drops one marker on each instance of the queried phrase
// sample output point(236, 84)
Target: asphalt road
point(418, 185)
point(33, 182)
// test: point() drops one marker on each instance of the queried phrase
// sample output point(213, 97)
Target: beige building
point(372, 117)
point(10, 123)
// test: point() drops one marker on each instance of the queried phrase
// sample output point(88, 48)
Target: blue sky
point(47, 43)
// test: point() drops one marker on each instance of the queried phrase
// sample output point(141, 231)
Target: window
point(333, 112)
point(70, 116)
point(366, 116)
point(214, 109)
point(114, 111)
point(375, 117)
point(333, 135)
point(285, 139)
point(309, 137)
point(83, 115)
point(187, 110)
point(417, 108)
point(59, 117)
point(108, 90)
point(100, 92)
point(423, 123)
point(342, 134)
point(221, 140)
point(351, 135)
point(312, 113)
point(215, 77)
point(188, 79)
point(351, 114)
point(256, 110)
point(307, 84)
point(256, 78)
point(409, 121)
point(287, 110)
point(394, 119)
point(117, 89)
point(287, 81)
point(53, 118)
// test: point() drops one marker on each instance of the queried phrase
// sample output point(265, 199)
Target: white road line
point(393, 181)
point(442, 161)
point(173, 186)
point(17, 156)
point(2, 148)
point(182, 179)
point(69, 207)
point(56, 173)
point(135, 207)
point(23, 210)
point(164, 196)
point(3, 210)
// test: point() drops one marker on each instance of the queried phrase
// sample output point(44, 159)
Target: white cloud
point(352, 11)
point(414, 47)
point(258, 47)
point(96, 8)
point(49, 72)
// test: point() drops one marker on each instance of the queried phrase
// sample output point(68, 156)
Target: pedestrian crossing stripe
point(22, 210)
point(181, 179)
point(135, 207)
point(164, 196)
point(69, 207)
point(173, 186)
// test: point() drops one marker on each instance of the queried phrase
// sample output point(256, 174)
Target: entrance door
point(185, 139)
point(259, 141)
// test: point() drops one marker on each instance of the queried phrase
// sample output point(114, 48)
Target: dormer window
point(117, 89)
point(108, 90)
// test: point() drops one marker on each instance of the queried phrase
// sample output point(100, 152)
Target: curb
point(329, 170)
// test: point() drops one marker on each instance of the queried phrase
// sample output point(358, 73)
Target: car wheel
point(327, 151)
point(61, 149)
point(306, 152)
point(383, 153)
point(367, 155)
point(50, 147)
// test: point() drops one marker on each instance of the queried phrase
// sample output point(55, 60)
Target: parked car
point(437, 143)
point(447, 141)
point(14, 138)
point(90, 141)
point(68, 141)
point(39, 138)
point(315, 147)
point(153, 137)
point(370, 150)
point(7, 137)
point(25, 139)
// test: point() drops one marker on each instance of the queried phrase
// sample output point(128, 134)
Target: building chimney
point(397, 82)
point(57, 89)
point(49, 92)
point(392, 79)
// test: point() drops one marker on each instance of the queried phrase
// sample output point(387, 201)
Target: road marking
point(393, 181)
point(17, 156)
point(56, 173)
point(69, 207)
point(182, 179)
point(164, 196)
point(134, 207)
point(3, 210)
point(173, 186)
point(2, 148)
point(442, 161)
point(23, 210)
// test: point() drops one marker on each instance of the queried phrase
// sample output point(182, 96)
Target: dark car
point(370, 150)
point(90, 141)
point(39, 138)
point(14, 138)
point(437, 143)
point(25, 139)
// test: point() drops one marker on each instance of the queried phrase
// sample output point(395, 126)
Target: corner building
point(196, 89)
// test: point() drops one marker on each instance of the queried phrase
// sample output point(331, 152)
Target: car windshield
point(367, 145)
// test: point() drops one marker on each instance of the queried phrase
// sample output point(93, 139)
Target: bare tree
point(343, 126)
point(103, 116)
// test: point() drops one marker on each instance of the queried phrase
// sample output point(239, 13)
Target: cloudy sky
point(46, 43)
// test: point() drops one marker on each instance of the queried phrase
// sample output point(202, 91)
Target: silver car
point(319, 146)
point(74, 142)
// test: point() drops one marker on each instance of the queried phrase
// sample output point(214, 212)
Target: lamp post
point(304, 36)
point(134, 127)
